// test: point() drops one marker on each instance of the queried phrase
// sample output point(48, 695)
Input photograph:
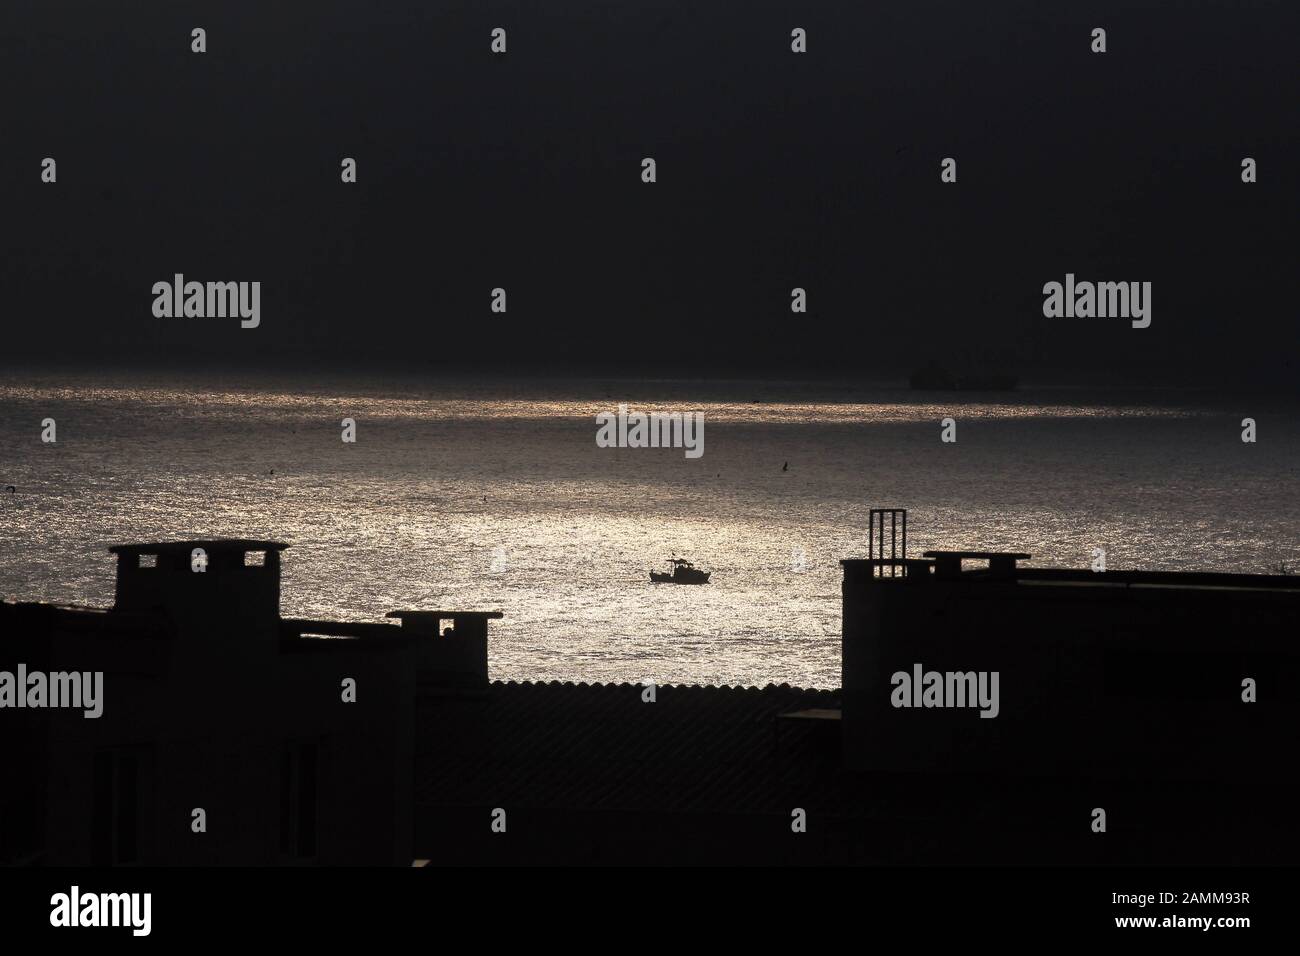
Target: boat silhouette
point(683, 573)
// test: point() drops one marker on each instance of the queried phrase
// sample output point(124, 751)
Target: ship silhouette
point(683, 573)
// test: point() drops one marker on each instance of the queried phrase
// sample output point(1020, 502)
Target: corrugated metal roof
point(601, 746)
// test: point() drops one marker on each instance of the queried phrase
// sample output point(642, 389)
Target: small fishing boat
point(683, 572)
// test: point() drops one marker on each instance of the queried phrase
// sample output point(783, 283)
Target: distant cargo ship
point(935, 378)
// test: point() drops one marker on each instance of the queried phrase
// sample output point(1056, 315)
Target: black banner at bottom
point(423, 903)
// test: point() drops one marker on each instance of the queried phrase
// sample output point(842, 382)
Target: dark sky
point(775, 170)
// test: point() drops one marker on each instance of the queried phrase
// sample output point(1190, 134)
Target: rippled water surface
point(492, 495)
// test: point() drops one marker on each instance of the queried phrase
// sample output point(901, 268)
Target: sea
point(480, 493)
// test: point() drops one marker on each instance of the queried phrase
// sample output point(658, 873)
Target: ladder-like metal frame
point(896, 519)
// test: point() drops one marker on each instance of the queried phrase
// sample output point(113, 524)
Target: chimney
point(451, 650)
point(203, 583)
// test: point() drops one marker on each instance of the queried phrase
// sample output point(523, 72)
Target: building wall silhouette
point(1116, 689)
point(1102, 674)
point(212, 701)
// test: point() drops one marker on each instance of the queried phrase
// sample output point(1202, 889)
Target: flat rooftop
point(1003, 569)
point(207, 544)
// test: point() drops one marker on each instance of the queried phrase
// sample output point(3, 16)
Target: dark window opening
point(115, 812)
point(299, 768)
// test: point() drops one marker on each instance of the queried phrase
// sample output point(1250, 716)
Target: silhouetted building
point(1118, 690)
point(211, 702)
point(987, 710)
point(1123, 674)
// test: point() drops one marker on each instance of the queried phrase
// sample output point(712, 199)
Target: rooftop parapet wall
point(201, 578)
point(951, 565)
point(451, 646)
